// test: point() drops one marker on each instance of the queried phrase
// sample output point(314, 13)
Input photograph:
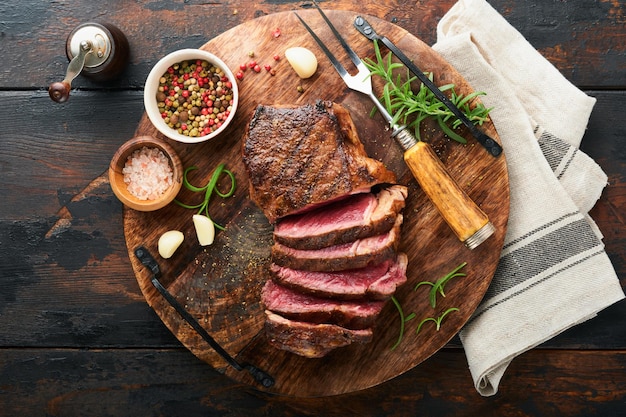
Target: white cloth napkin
point(553, 271)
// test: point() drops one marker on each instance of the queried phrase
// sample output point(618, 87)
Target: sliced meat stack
point(337, 217)
point(326, 297)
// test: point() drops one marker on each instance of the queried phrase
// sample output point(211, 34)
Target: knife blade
point(485, 140)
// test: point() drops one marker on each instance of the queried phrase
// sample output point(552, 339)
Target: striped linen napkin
point(553, 271)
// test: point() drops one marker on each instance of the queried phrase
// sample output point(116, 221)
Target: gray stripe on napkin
point(543, 253)
point(486, 306)
point(555, 151)
point(540, 229)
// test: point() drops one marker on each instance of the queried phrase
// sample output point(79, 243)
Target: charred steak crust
point(342, 221)
point(308, 339)
point(298, 157)
point(377, 282)
point(297, 306)
point(357, 254)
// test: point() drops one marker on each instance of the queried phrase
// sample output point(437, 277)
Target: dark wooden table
point(76, 336)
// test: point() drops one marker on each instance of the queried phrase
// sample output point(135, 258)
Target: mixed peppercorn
point(194, 97)
point(254, 66)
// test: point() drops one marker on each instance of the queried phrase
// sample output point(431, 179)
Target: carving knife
point(485, 140)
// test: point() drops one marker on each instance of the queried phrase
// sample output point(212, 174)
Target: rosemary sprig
point(438, 286)
point(437, 320)
point(411, 109)
point(402, 321)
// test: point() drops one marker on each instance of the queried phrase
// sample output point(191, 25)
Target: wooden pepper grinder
point(99, 50)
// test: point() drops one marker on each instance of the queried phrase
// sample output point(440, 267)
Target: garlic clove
point(205, 229)
point(302, 60)
point(169, 242)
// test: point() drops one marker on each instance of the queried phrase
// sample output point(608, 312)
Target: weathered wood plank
point(96, 383)
point(584, 39)
point(49, 152)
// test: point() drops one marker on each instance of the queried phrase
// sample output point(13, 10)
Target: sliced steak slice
point(299, 157)
point(343, 221)
point(358, 254)
point(377, 282)
point(297, 306)
point(310, 340)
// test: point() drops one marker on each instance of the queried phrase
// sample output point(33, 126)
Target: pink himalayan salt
point(147, 173)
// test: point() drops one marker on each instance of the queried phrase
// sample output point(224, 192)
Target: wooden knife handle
point(465, 218)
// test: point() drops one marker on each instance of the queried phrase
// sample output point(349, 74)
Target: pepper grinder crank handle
point(99, 51)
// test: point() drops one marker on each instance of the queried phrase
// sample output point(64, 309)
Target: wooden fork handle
point(470, 224)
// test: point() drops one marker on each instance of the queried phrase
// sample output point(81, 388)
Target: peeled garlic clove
point(169, 242)
point(302, 60)
point(205, 229)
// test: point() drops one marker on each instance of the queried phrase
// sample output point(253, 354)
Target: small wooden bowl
point(120, 188)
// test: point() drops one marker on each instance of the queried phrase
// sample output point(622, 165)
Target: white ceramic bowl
point(152, 86)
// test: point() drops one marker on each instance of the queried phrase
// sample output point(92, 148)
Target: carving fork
point(470, 224)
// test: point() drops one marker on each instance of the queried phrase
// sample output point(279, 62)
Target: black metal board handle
point(148, 260)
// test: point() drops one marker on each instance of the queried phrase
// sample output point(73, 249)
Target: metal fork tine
point(353, 56)
point(342, 71)
point(360, 82)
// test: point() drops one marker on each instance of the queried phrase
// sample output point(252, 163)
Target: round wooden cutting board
point(220, 284)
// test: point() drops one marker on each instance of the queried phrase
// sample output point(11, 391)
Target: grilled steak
point(308, 339)
point(299, 157)
point(336, 217)
point(377, 282)
point(346, 220)
point(311, 309)
point(357, 254)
